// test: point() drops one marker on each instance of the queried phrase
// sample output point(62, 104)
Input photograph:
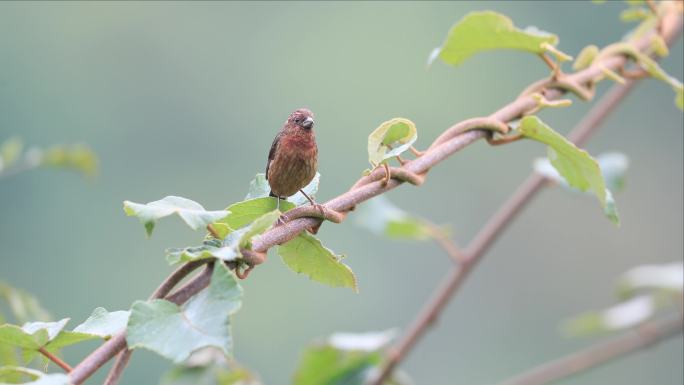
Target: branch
point(641, 338)
point(456, 138)
point(505, 215)
point(117, 343)
point(451, 141)
point(58, 361)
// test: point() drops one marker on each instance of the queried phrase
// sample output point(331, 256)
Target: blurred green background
point(185, 98)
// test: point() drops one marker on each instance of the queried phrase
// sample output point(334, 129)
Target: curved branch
point(633, 341)
point(117, 343)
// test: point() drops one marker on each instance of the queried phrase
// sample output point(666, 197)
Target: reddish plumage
point(293, 159)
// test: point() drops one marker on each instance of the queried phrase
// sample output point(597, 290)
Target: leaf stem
point(58, 361)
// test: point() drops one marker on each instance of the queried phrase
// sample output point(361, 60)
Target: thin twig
point(486, 237)
point(119, 367)
point(641, 338)
point(364, 190)
point(58, 361)
point(117, 343)
point(501, 219)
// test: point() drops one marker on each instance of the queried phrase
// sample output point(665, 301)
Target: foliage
point(78, 157)
point(390, 139)
point(175, 331)
point(644, 291)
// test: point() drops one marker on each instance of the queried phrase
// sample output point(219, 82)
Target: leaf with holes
point(305, 254)
point(486, 31)
point(575, 165)
point(174, 332)
point(390, 139)
point(192, 213)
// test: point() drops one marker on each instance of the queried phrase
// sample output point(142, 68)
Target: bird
point(293, 158)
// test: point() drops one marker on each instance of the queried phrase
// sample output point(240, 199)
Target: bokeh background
point(185, 98)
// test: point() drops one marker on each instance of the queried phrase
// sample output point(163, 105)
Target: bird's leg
point(313, 202)
point(282, 218)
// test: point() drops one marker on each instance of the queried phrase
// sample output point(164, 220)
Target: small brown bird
point(293, 159)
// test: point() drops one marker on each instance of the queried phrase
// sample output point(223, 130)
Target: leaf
point(10, 150)
point(305, 254)
point(577, 167)
point(230, 248)
point(679, 98)
point(32, 335)
point(192, 213)
point(485, 31)
point(104, 324)
point(586, 57)
point(208, 367)
point(390, 139)
point(613, 166)
point(175, 332)
point(23, 305)
point(344, 359)
point(8, 373)
point(75, 156)
point(634, 14)
point(246, 212)
point(384, 218)
point(621, 316)
point(669, 277)
point(259, 188)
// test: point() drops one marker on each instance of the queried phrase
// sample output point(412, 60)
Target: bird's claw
point(282, 219)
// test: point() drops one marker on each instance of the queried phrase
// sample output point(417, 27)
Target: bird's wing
point(271, 153)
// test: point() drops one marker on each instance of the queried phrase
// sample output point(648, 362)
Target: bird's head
point(302, 117)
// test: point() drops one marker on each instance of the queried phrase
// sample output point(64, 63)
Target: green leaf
point(634, 14)
point(485, 31)
point(78, 157)
point(624, 315)
point(668, 277)
point(16, 375)
point(246, 212)
point(305, 254)
point(577, 167)
point(390, 139)
point(344, 359)
point(10, 150)
point(32, 335)
point(192, 213)
point(585, 57)
point(230, 248)
point(259, 188)
point(208, 366)
point(34, 377)
point(23, 305)
point(382, 217)
point(104, 324)
point(175, 332)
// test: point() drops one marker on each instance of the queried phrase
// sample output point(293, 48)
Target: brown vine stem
point(496, 224)
point(58, 361)
point(641, 338)
point(447, 144)
point(117, 343)
point(486, 237)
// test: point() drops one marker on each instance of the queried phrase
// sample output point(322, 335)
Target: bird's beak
point(308, 122)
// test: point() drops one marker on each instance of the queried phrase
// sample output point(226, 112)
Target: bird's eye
point(297, 120)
